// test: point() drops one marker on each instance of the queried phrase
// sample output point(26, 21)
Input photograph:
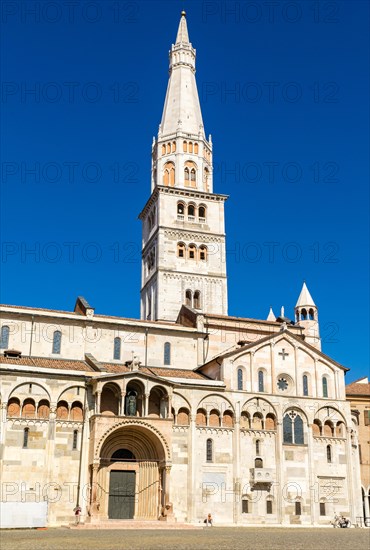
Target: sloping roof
point(305, 298)
point(47, 363)
point(112, 368)
point(358, 389)
point(240, 349)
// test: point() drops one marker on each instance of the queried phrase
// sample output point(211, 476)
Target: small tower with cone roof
point(306, 316)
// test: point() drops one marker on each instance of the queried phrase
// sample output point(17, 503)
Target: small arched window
point(269, 506)
point(185, 146)
point(196, 303)
point(180, 250)
point(180, 210)
point(328, 454)
point(189, 298)
point(311, 314)
point(29, 408)
point(167, 353)
point(190, 146)
point(193, 176)
point(258, 447)
point(196, 148)
point(163, 149)
point(325, 387)
point(57, 341)
point(258, 463)
point(4, 338)
point(168, 147)
point(25, 437)
point(305, 385)
point(202, 213)
point(298, 508)
point(192, 252)
point(169, 174)
point(303, 315)
point(191, 211)
point(240, 379)
point(75, 439)
point(261, 384)
point(203, 253)
point(209, 450)
point(117, 348)
point(174, 146)
point(187, 174)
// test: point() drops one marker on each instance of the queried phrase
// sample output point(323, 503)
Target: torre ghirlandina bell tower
point(183, 239)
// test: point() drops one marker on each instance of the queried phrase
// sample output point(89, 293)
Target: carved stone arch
point(137, 424)
point(68, 388)
point(325, 417)
point(258, 408)
point(297, 410)
point(18, 386)
point(176, 402)
point(215, 399)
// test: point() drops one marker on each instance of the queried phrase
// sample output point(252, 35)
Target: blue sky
point(284, 93)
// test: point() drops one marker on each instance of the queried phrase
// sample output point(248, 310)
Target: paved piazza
point(212, 538)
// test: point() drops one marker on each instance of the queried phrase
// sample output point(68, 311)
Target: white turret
point(306, 315)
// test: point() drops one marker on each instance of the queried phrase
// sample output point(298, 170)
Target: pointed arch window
point(167, 353)
point(57, 342)
point(325, 387)
point(209, 450)
point(117, 348)
point(240, 379)
point(305, 385)
point(169, 174)
point(4, 338)
point(186, 175)
point(261, 382)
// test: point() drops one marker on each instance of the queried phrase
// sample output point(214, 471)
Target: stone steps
point(134, 524)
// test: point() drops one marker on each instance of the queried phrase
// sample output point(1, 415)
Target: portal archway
point(132, 473)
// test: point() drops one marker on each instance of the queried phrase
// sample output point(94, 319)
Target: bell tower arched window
point(169, 174)
point(180, 250)
point(189, 298)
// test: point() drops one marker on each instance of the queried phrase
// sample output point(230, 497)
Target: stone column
point(146, 404)
point(349, 475)
point(122, 405)
point(94, 497)
point(191, 507)
point(279, 459)
point(97, 402)
point(272, 357)
point(311, 476)
point(169, 406)
point(236, 468)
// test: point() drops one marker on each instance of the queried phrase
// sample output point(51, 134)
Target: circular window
point(282, 384)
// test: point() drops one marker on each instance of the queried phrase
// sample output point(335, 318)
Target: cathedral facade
point(187, 411)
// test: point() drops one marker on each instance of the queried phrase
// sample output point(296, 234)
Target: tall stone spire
point(184, 249)
point(182, 108)
point(306, 315)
